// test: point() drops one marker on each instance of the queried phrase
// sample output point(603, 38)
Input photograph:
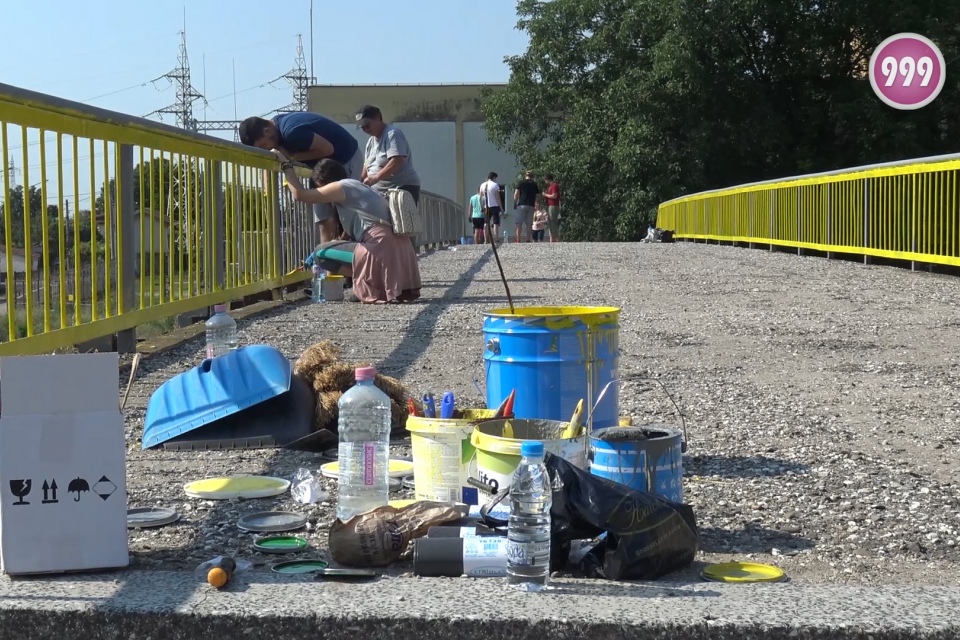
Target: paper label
point(485, 557)
point(525, 554)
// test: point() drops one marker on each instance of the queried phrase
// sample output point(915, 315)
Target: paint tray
point(244, 399)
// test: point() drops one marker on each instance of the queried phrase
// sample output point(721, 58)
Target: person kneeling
point(383, 266)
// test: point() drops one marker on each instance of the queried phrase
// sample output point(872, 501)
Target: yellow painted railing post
point(830, 218)
point(126, 247)
point(219, 243)
point(866, 218)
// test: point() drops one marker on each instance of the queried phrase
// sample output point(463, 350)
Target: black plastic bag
point(647, 536)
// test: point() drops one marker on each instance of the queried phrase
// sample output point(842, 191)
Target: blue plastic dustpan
point(214, 389)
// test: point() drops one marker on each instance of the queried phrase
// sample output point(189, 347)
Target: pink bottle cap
point(219, 308)
point(366, 373)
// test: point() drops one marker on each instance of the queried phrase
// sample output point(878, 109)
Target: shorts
point(538, 235)
point(478, 223)
point(330, 256)
point(493, 215)
point(525, 215)
point(554, 220)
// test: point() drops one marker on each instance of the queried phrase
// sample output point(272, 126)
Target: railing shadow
point(741, 466)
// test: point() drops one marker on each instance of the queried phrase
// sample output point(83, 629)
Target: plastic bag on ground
point(647, 536)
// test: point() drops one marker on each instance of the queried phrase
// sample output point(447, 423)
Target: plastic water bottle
point(221, 332)
point(528, 529)
point(364, 425)
point(319, 275)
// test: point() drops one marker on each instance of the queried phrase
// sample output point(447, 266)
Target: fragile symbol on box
point(20, 489)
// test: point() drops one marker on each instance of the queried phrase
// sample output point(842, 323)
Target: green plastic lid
point(299, 566)
point(280, 544)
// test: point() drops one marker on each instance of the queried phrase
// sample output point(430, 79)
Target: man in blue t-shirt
point(308, 138)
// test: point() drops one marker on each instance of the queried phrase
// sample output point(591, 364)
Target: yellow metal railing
point(111, 222)
point(907, 210)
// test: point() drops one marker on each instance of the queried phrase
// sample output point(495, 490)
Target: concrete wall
point(443, 124)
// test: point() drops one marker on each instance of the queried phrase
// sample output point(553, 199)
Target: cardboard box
point(63, 490)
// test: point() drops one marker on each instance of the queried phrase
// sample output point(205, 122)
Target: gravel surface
point(821, 399)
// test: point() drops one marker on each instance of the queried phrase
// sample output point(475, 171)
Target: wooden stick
point(503, 278)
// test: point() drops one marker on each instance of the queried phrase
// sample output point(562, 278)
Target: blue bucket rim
point(670, 431)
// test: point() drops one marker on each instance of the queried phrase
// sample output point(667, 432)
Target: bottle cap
point(219, 308)
point(531, 448)
point(366, 373)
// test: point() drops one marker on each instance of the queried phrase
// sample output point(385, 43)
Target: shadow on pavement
point(741, 466)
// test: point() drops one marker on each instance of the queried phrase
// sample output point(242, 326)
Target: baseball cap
point(366, 113)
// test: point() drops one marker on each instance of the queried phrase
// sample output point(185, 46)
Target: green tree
point(633, 102)
point(17, 219)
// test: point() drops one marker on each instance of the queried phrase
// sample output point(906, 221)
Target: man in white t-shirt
point(490, 197)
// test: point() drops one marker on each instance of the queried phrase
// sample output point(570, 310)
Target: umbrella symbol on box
point(76, 486)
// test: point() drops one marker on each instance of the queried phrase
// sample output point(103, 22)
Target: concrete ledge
point(141, 604)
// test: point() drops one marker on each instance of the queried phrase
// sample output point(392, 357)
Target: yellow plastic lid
point(397, 469)
point(742, 572)
point(400, 504)
point(333, 277)
point(231, 487)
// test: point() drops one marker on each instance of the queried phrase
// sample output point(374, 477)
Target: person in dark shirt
point(307, 138)
point(525, 199)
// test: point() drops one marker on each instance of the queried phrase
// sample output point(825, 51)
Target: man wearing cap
point(388, 160)
point(308, 138)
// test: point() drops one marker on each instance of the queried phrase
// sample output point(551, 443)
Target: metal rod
point(313, 78)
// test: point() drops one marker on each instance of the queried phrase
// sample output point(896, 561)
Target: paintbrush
point(572, 430)
point(505, 407)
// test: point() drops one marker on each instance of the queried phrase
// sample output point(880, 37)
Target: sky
point(107, 54)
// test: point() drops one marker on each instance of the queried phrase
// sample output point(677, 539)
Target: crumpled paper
point(306, 489)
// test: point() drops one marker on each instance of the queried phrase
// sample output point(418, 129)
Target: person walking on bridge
point(525, 198)
point(307, 138)
point(493, 205)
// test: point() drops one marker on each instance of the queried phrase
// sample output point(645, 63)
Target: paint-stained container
point(646, 459)
point(498, 456)
point(553, 357)
point(443, 457)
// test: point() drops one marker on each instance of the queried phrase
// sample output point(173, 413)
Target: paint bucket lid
point(280, 544)
point(330, 455)
point(272, 521)
point(293, 567)
point(232, 487)
point(742, 572)
point(148, 517)
point(398, 469)
point(409, 482)
point(400, 504)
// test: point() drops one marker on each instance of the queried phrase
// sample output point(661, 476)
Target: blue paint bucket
point(646, 459)
point(466, 240)
point(554, 357)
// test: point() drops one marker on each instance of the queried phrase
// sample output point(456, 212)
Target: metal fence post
point(866, 218)
point(773, 218)
point(799, 219)
point(127, 339)
point(219, 230)
point(830, 218)
point(750, 209)
point(276, 228)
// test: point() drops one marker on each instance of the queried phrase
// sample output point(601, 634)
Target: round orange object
point(217, 577)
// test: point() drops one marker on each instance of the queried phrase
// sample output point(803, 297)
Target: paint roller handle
point(429, 406)
point(447, 406)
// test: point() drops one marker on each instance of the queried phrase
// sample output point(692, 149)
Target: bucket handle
point(683, 422)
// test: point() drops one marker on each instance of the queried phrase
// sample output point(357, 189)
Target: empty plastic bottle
point(528, 529)
point(221, 332)
point(319, 275)
point(363, 457)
